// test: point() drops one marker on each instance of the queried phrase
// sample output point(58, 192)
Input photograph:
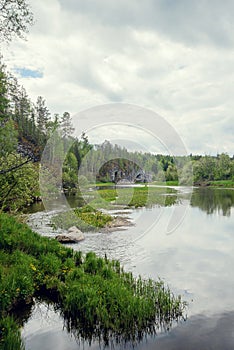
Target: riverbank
point(95, 295)
point(222, 184)
point(216, 184)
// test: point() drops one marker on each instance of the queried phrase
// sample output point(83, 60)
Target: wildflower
point(33, 267)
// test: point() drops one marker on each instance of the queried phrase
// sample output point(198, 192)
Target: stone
point(73, 235)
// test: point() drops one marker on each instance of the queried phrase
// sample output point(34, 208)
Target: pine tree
point(66, 125)
point(42, 119)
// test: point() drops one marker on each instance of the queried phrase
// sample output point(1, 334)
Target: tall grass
point(10, 338)
point(97, 298)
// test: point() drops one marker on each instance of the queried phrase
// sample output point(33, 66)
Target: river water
point(196, 260)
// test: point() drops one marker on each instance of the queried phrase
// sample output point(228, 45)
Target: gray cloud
point(173, 56)
point(193, 22)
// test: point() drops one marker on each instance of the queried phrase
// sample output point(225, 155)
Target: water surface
point(196, 260)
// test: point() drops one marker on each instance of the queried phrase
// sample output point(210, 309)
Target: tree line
point(26, 128)
point(104, 159)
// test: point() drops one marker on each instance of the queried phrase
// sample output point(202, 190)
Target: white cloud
point(174, 57)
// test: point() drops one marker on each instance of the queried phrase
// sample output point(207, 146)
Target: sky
point(172, 57)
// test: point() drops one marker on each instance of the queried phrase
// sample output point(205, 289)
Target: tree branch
point(15, 167)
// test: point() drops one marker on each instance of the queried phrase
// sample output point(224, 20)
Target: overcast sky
point(175, 57)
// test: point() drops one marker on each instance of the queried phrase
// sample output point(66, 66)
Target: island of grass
point(97, 298)
point(88, 218)
point(85, 218)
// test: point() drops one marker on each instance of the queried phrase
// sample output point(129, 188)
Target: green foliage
point(15, 18)
point(222, 183)
point(70, 172)
point(212, 200)
point(8, 139)
point(18, 187)
point(32, 127)
point(8, 133)
point(10, 337)
point(108, 300)
point(97, 298)
point(209, 168)
point(66, 125)
point(125, 164)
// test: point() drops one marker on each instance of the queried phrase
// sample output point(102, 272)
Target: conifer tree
point(67, 128)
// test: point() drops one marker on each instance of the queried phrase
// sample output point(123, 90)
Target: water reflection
point(213, 200)
point(200, 332)
point(196, 261)
point(44, 319)
point(210, 200)
point(45, 330)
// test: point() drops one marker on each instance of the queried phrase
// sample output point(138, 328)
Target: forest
point(26, 127)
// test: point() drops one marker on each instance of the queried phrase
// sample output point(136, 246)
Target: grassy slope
point(95, 295)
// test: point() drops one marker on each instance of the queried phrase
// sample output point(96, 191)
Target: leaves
point(15, 18)
point(20, 186)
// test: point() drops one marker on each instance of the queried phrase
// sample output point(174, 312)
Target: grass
point(165, 183)
point(10, 338)
point(89, 218)
point(97, 298)
point(103, 184)
point(85, 218)
point(222, 183)
point(139, 196)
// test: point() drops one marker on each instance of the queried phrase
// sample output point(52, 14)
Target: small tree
point(43, 114)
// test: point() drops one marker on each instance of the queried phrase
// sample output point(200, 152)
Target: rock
point(73, 235)
point(117, 224)
point(74, 230)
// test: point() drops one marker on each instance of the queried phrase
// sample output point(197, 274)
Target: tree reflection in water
point(212, 200)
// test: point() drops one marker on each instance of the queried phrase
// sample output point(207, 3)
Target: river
point(196, 260)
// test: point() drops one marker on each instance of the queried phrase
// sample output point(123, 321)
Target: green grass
point(102, 184)
point(89, 218)
point(222, 183)
point(10, 338)
point(165, 183)
point(85, 218)
point(139, 196)
point(97, 298)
